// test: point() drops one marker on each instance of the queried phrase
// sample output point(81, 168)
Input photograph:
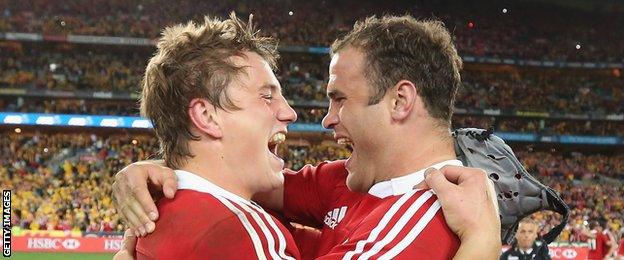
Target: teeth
point(278, 138)
point(344, 141)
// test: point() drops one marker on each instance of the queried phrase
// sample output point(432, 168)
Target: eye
point(267, 97)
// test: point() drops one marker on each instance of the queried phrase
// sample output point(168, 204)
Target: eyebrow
point(334, 93)
point(272, 87)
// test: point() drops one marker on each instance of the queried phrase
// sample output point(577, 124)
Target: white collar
point(404, 184)
point(191, 181)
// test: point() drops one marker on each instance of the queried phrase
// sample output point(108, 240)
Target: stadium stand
point(525, 29)
point(63, 181)
point(552, 86)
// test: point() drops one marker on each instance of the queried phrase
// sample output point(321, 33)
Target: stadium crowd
point(71, 70)
point(304, 80)
point(541, 126)
point(569, 92)
point(592, 185)
point(63, 181)
point(489, 28)
point(588, 202)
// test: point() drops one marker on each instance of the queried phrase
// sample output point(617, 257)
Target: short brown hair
point(194, 61)
point(403, 48)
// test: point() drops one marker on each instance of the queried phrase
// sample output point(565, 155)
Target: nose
point(331, 119)
point(286, 113)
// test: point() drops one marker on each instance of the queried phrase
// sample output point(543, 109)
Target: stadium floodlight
point(13, 119)
point(109, 122)
point(141, 123)
point(45, 120)
point(77, 121)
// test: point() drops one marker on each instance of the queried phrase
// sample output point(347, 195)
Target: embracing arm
point(134, 190)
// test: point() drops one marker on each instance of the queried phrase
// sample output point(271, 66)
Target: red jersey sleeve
point(222, 239)
point(416, 230)
point(309, 192)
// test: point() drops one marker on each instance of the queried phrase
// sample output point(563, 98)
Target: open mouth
point(275, 140)
point(346, 142)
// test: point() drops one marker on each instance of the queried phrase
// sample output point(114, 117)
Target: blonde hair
point(193, 61)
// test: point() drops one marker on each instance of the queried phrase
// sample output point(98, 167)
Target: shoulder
point(194, 216)
point(196, 209)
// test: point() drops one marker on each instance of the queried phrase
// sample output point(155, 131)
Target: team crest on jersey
point(333, 217)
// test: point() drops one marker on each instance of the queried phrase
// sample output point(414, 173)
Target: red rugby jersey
point(204, 221)
point(391, 221)
point(598, 246)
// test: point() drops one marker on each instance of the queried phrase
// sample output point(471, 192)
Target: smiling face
point(251, 133)
point(353, 120)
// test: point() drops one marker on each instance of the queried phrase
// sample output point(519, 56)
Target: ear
point(404, 99)
point(203, 116)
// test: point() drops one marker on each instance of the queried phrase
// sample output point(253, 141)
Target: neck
point(525, 248)
point(210, 165)
point(409, 155)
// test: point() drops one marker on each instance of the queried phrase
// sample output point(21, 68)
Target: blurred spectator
point(602, 242)
point(527, 246)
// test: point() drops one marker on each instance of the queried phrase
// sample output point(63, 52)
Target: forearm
point(479, 247)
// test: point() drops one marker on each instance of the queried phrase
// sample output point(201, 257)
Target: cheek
point(260, 114)
point(350, 116)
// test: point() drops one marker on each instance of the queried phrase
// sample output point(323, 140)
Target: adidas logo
point(333, 217)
